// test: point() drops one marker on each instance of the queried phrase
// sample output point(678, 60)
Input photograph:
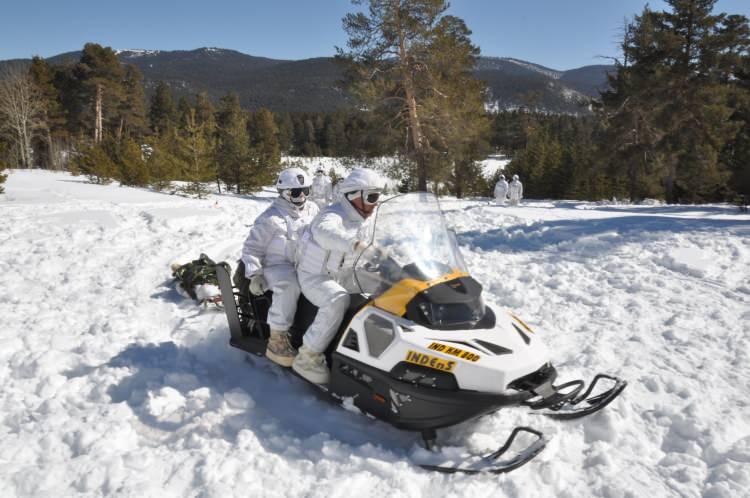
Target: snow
point(342, 166)
point(113, 384)
point(135, 52)
point(493, 164)
point(535, 67)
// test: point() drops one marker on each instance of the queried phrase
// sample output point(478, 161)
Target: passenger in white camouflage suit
point(269, 255)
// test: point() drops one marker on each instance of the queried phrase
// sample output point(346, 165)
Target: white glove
point(378, 253)
point(258, 285)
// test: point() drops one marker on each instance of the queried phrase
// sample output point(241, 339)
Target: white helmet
point(515, 177)
point(294, 186)
point(319, 170)
point(361, 179)
point(502, 177)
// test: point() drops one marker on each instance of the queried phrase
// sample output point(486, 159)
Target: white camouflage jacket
point(501, 188)
point(516, 190)
point(273, 238)
point(327, 245)
point(321, 188)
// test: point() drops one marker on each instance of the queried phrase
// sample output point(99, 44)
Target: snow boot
point(279, 349)
point(311, 366)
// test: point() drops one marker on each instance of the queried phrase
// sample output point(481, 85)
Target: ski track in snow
point(115, 385)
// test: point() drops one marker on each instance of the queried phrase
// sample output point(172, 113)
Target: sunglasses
point(296, 192)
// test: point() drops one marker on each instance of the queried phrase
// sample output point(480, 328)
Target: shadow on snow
point(541, 235)
point(284, 411)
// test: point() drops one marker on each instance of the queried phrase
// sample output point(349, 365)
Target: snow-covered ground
point(112, 384)
point(341, 166)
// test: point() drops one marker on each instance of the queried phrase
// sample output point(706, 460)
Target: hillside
point(314, 84)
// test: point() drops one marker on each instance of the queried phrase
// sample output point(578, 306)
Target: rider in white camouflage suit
point(336, 235)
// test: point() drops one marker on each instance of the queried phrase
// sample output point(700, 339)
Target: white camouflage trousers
point(282, 280)
point(332, 301)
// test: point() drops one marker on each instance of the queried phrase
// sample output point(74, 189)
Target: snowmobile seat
point(253, 312)
point(254, 309)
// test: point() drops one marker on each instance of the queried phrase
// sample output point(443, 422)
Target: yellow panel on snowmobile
point(395, 299)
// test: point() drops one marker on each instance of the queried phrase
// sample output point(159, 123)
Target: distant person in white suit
point(321, 191)
point(516, 191)
point(501, 191)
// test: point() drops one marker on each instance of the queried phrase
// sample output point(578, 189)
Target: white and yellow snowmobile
point(418, 347)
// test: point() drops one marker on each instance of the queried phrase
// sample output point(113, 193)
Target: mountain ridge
point(315, 84)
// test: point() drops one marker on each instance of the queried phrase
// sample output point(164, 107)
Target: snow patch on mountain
point(556, 75)
point(135, 52)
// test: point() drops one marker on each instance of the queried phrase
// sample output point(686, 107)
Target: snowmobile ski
point(491, 463)
point(562, 402)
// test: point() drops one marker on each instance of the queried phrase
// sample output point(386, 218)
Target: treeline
point(674, 125)
point(92, 118)
point(556, 156)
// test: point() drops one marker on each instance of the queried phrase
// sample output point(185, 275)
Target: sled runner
point(419, 349)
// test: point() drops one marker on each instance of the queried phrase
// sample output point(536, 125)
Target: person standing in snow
point(516, 191)
point(333, 237)
point(501, 191)
point(321, 191)
point(269, 256)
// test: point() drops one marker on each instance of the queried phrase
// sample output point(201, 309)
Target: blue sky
point(561, 34)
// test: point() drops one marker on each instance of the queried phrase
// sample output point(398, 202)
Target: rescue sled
point(418, 348)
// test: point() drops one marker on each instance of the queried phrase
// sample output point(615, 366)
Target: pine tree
point(162, 113)
point(53, 132)
point(133, 105)
point(164, 162)
point(233, 143)
point(286, 131)
point(668, 113)
point(198, 157)
point(131, 163)
point(737, 153)
point(334, 135)
point(100, 76)
point(184, 111)
point(96, 163)
point(422, 61)
point(265, 152)
point(205, 114)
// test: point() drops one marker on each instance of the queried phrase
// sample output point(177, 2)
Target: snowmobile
point(418, 348)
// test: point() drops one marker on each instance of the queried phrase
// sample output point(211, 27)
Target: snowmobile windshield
point(410, 241)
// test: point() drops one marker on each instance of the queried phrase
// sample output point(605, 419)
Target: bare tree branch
point(21, 110)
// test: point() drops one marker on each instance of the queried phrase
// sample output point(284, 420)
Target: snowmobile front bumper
point(563, 402)
point(409, 406)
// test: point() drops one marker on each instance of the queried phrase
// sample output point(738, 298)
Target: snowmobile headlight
point(379, 333)
point(452, 313)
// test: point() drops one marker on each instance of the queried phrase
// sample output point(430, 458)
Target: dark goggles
point(371, 197)
point(296, 192)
